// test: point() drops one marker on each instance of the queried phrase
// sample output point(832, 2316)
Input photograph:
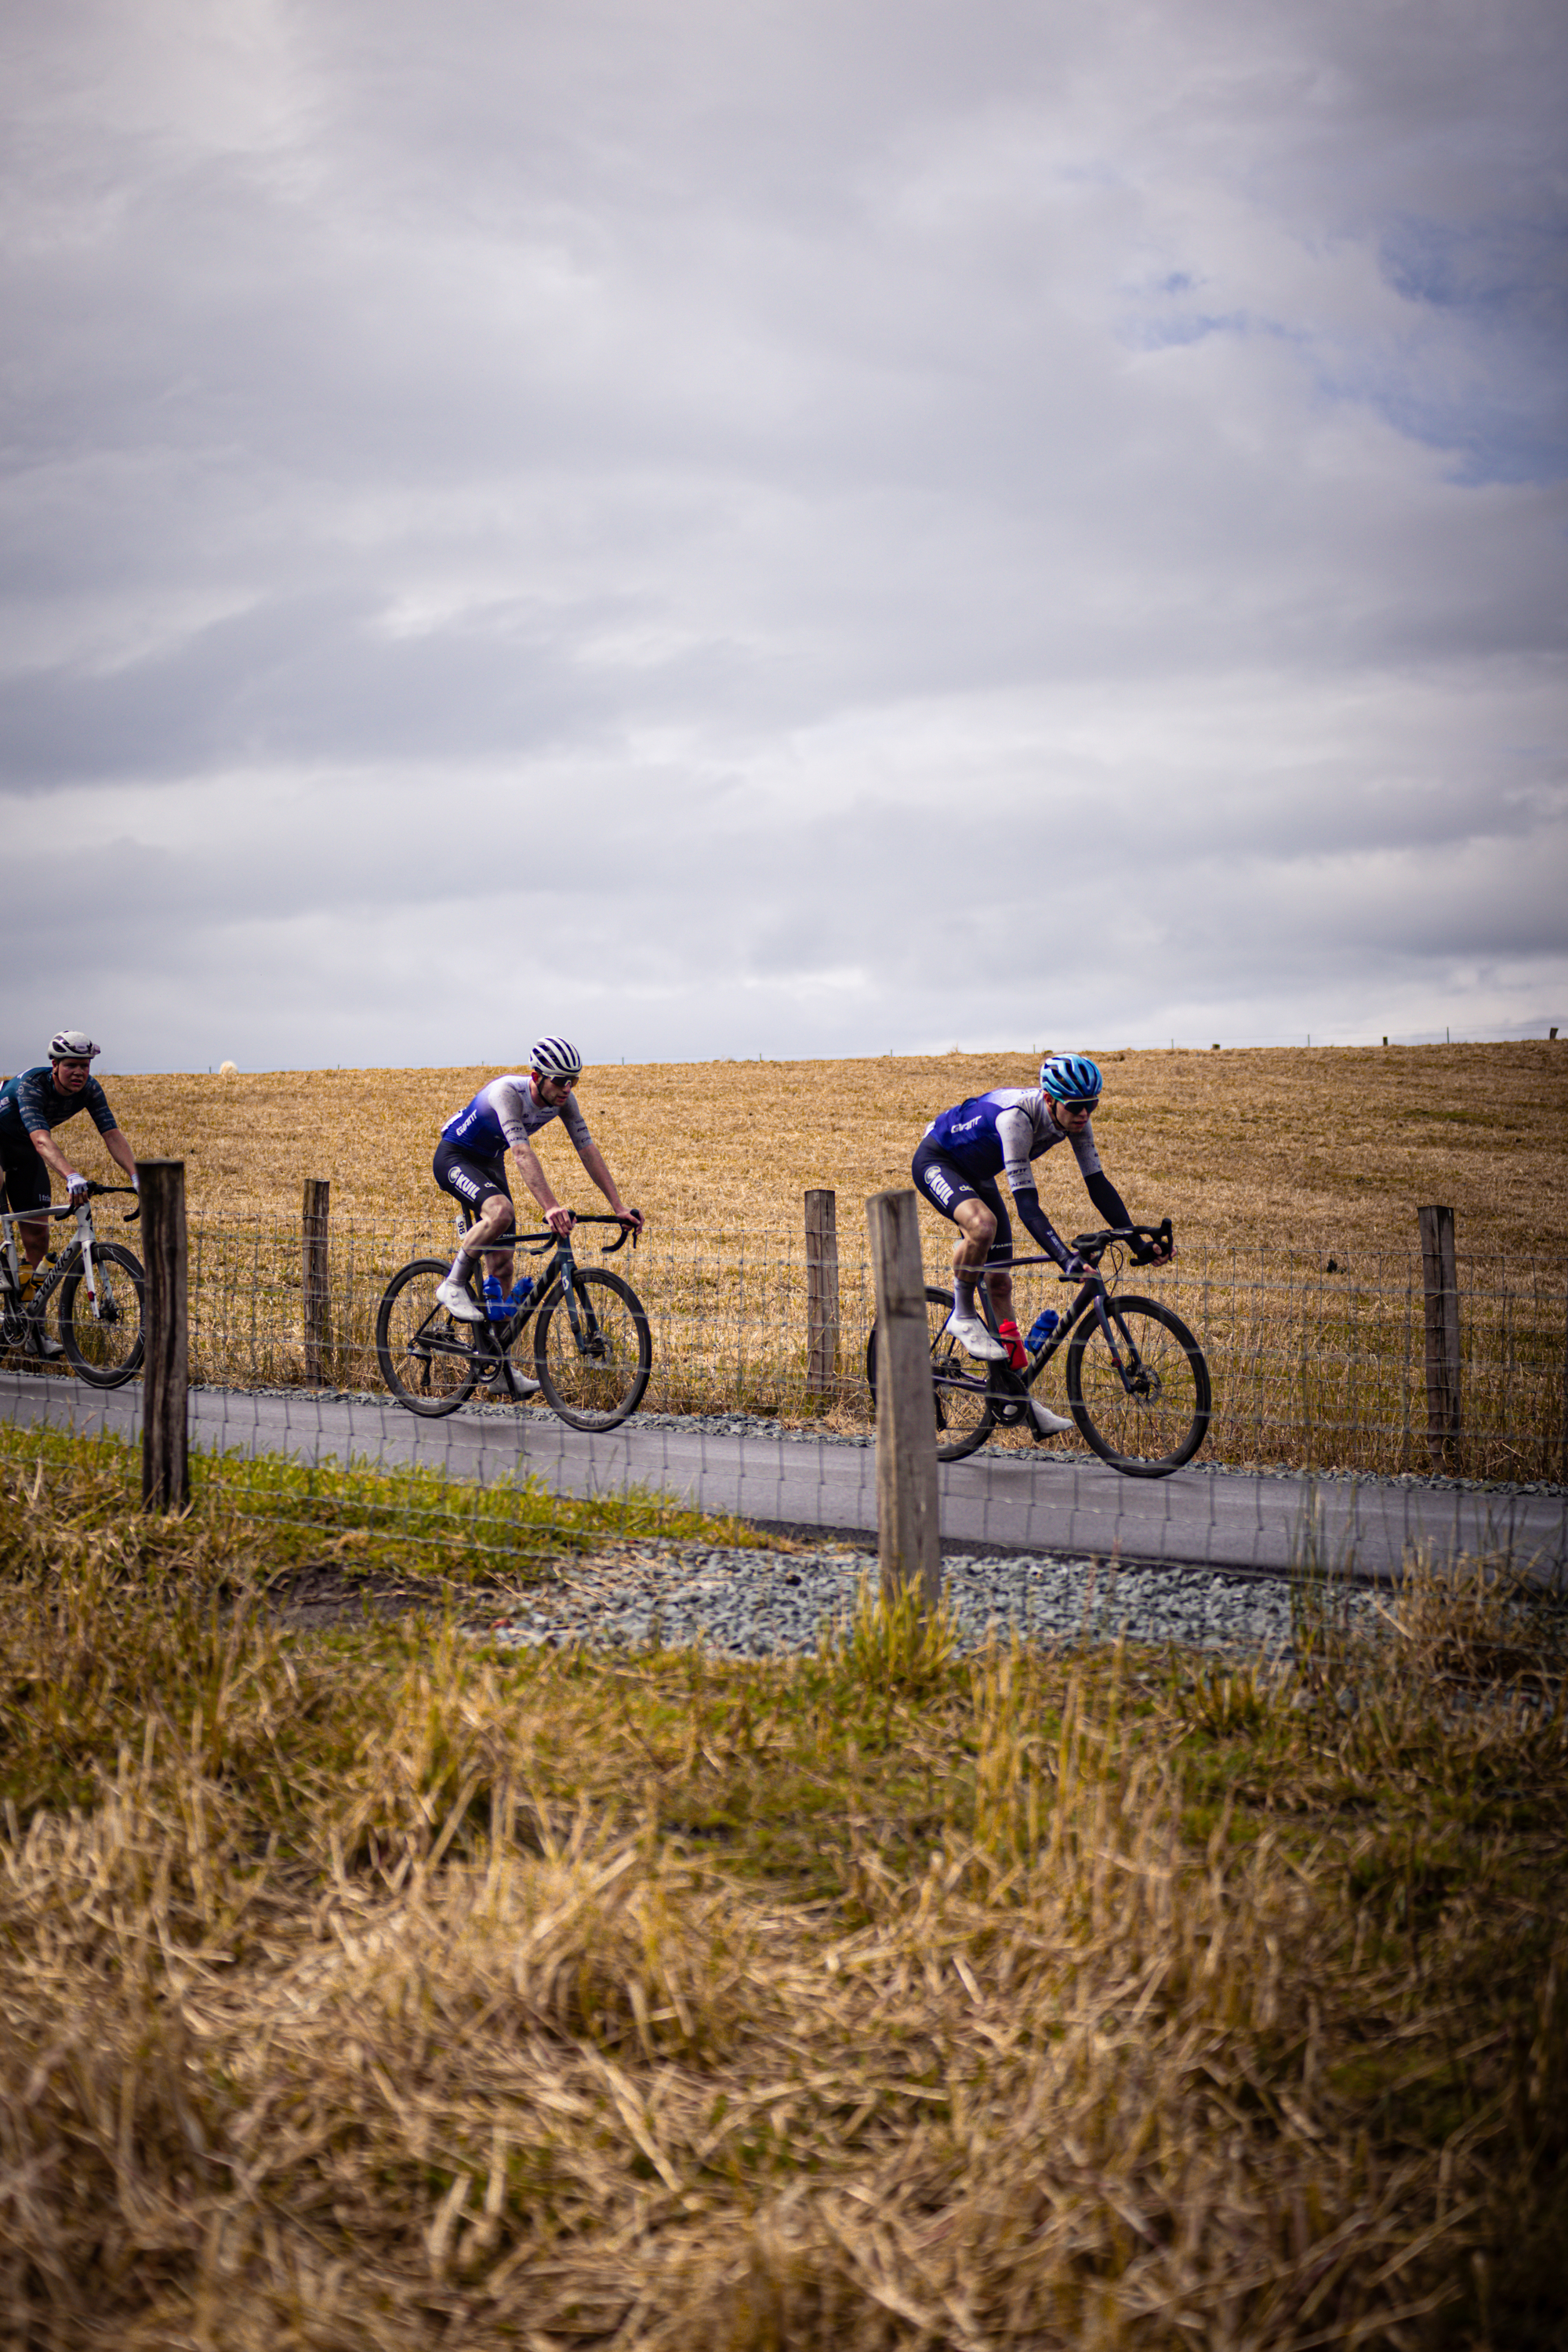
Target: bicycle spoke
point(1143, 1399)
point(592, 1351)
point(425, 1359)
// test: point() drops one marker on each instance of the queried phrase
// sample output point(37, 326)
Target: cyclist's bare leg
point(977, 1227)
point(496, 1215)
point(35, 1242)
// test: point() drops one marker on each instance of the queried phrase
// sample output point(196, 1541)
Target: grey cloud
point(813, 463)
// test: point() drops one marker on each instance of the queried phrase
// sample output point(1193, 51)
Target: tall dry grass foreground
point(375, 1993)
point(1239, 1146)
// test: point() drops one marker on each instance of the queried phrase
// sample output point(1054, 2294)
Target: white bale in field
point(228, 1070)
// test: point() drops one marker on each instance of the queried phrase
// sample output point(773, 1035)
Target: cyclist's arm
point(1027, 1200)
point(53, 1157)
point(1017, 1136)
point(119, 1149)
point(557, 1218)
point(1106, 1198)
point(593, 1160)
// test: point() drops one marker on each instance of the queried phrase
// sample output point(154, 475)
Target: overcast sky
point(727, 528)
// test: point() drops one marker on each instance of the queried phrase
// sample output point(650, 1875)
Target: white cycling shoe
point(971, 1333)
point(1048, 1424)
point(458, 1304)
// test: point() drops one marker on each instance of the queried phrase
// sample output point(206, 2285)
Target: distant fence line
point(1380, 1362)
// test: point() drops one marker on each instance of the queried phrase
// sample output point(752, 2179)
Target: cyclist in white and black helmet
point(470, 1164)
point(956, 1165)
point(31, 1106)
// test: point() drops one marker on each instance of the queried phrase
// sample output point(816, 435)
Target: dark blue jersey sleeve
point(34, 1101)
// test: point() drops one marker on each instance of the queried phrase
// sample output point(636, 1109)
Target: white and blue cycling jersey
point(1004, 1130)
point(1007, 1130)
point(505, 1112)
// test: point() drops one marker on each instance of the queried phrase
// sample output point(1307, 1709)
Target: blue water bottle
point(1041, 1329)
point(500, 1308)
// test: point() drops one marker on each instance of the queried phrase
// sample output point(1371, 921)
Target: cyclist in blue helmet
point(956, 1165)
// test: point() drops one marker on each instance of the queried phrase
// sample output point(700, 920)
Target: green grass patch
point(410, 1517)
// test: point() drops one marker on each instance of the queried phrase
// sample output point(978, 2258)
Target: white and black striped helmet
point(552, 1057)
point(73, 1045)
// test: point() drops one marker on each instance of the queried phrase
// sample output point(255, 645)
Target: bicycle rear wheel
point(426, 1359)
point(100, 1329)
point(1149, 1414)
point(964, 1416)
point(595, 1352)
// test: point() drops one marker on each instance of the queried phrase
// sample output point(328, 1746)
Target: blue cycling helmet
point(1070, 1077)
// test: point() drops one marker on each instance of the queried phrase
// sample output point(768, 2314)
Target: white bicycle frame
point(85, 1235)
point(10, 1219)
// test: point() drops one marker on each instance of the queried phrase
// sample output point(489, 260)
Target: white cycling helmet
point(73, 1045)
point(552, 1057)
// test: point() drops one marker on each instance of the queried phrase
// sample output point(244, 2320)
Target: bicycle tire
point(104, 1340)
point(964, 1416)
point(597, 1382)
point(1148, 1434)
point(425, 1361)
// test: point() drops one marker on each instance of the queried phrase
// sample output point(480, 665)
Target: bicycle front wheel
point(592, 1353)
point(100, 1329)
point(1144, 1409)
point(426, 1359)
point(959, 1387)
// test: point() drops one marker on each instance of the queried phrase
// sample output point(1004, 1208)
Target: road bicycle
point(102, 1291)
point(592, 1351)
point(1137, 1382)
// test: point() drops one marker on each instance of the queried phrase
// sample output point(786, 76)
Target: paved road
point(1038, 1502)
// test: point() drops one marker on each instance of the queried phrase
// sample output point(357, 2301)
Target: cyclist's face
point(71, 1076)
point(553, 1091)
point(1072, 1118)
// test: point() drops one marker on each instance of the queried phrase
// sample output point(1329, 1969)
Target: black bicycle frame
point(493, 1342)
point(1002, 1383)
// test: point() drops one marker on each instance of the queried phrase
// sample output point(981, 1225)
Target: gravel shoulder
point(760, 1604)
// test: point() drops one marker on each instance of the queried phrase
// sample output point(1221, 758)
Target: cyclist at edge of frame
point(31, 1105)
point(955, 1166)
point(470, 1164)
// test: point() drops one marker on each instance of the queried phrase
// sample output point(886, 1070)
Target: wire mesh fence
point(1317, 1364)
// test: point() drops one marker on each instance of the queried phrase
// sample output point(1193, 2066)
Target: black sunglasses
point(1079, 1106)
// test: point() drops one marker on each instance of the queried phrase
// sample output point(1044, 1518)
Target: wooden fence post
point(821, 1293)
point(909, 1530)
point(1440, 1282)
point(317, 1192)
point(165, 1466)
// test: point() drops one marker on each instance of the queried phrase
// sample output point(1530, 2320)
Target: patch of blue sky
point(1158, 335)
point(1495, 294)
point(1510, 431)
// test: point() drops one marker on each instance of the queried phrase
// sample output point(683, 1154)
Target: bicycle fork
point(90, 1276)
point(1136, 1379)
point(580, 1313)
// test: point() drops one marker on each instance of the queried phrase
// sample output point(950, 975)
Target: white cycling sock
point(963, 1295)
point(462, 1266)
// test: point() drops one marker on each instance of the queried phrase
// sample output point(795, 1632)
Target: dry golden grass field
point(1339, 1143)
point(1293, 1178)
